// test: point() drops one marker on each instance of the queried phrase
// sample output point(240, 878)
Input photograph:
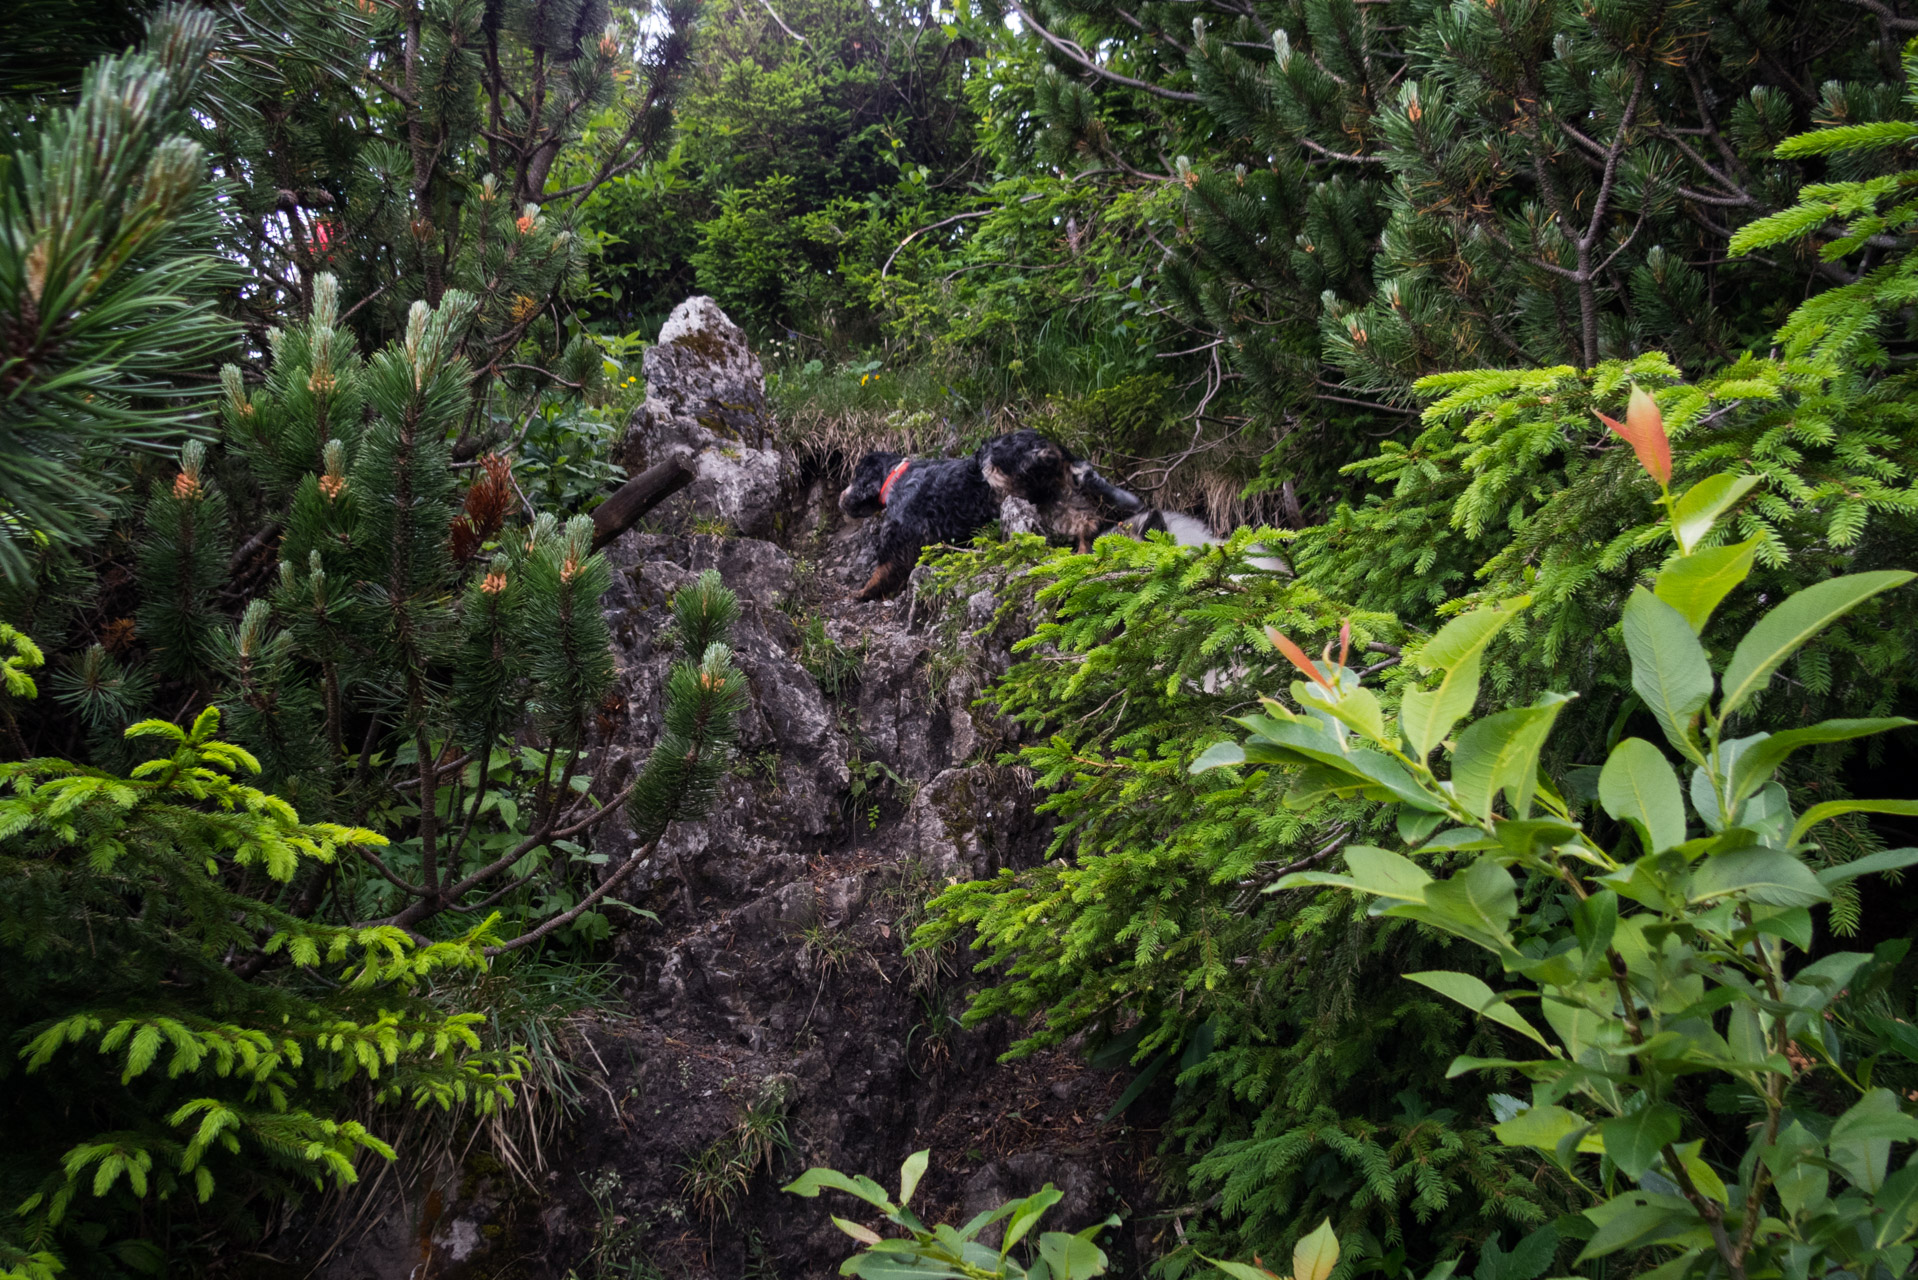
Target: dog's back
point(919, 502)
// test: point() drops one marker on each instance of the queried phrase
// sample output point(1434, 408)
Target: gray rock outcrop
point(706, 403)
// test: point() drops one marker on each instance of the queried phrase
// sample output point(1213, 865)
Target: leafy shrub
point(958, 1251)
point(1301, 1085)
point(1664, 926)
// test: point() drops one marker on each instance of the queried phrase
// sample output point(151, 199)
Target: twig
point(943, 222)
point(767, 6)
point(585, 904)
point(1078, 55)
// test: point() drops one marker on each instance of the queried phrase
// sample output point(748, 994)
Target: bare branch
point(1078, 55)
point(586, 904)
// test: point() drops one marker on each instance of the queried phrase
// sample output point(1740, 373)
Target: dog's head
point(860, 498)
point(1026, 465)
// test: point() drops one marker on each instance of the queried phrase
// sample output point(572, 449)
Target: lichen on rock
point(706, 402)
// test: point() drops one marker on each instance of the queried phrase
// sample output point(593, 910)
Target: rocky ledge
point(770, 1016)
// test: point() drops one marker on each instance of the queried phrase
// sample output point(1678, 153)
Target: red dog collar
point(891, 476)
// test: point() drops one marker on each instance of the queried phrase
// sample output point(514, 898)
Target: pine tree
point(424, 671)
point(108, 277)
point(413, 632)
point(1381, 192)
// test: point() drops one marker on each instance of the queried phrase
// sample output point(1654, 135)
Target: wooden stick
point(638, 496)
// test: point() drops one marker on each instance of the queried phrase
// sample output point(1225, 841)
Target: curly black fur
point(932, 500)
point(1075, 501)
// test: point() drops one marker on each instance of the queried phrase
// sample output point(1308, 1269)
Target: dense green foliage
point(1305, 1085)
point(340, 567)
point(1302, 1072)
point(108, 272)
point(1380, 273)
point(1257, 225)
point(152, 1076)
point(1670, 968)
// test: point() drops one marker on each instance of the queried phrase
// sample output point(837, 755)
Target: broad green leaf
point(1870, 864)
point(1676, 1269)
point(1315, 783)
point(1793, 924)
point(1308, 741)
point(1635, 1220)
point(1770, 876)
point(910, 1172)
point(1760, 758)
point(1500, 753)
point(1477, 903)
point(1694, 514)
point(1634, 1141)
point(1798, 618)
point(1794, 1163)
point(1465, 637)
point(1466, 1062)
point(1027, 1215)
point(1639, 786)
point(1541, 1127)
point(880, 1266)
point(1695, 584)
point(1818, 984)
point(1594, 922)
point(1745, 1034)
point(1378, 872)
point(813, 1181)
point(1669, 671)
point(1838, 808)
point(1861, 1138)
point(1897, 1205)
point(864, 1235)
point(1426, 716)
point(1069, 1257)
point(1314, 1257)
point(1522, 835)
point(1415, 828)
point(1241, 1270)
point(1355, 707)
point(1479, 998)
point(1218, 755)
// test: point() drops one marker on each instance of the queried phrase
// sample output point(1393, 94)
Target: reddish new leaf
point(1644, 430)
point(1297, 657)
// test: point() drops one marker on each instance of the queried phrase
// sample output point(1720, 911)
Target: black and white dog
point(920, 501)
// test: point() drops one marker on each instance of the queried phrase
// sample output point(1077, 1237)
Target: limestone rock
point(706, 402)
